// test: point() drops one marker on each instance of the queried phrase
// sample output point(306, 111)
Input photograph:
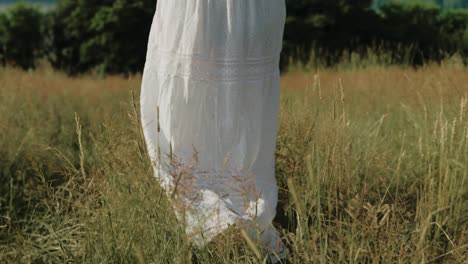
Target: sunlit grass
point(372, 166)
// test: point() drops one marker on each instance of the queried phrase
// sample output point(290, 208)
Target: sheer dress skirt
point(209, 109)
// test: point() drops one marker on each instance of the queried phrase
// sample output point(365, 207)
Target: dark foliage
point(106, 36)
point(109, 36)
point(412, 34)
point(21, 36)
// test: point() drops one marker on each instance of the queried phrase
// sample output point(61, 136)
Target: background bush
point(21, 35)
point(407, 33)
point(110, 36)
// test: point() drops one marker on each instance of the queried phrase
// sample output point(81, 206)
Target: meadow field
point(372, 164)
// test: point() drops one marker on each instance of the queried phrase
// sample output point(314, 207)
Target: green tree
point(433, 33)
point(3, 38)
point(21, 35)
point(108, 36)
point(413, 33)
point(328, 28)
point(120, 36)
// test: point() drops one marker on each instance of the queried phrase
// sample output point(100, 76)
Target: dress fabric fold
point(209, 110)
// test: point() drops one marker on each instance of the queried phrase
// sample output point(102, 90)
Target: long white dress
point(209, 109)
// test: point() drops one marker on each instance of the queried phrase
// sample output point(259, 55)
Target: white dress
point(209, 109)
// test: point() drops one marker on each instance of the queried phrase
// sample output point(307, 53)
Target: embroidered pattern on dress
point(207, 69)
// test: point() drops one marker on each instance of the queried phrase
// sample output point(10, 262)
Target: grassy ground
point(372, 166)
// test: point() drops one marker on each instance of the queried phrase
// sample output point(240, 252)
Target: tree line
point(442, 3)
point(110, 36)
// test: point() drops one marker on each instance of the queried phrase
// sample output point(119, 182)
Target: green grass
point(372, 166)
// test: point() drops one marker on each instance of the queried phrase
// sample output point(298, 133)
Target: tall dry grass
point(372, 166)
